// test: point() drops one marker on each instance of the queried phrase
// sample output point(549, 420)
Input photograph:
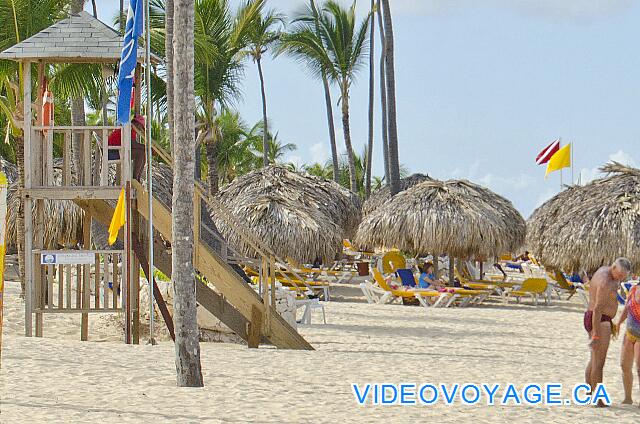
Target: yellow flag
point(560, 159)
point(118, 219)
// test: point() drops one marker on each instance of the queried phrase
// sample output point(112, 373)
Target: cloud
point(319, 153)
point(589, 174)
point(294, 159)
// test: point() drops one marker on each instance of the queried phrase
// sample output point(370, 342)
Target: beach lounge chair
point(339, 275)
point(563, 286)
point(531, 287)
point(383, 293)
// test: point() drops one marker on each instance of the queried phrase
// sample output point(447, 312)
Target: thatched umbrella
point(455, 217)
point(383, 194)
point(10, 170)
point(583, 228)
point(297, 215)
point(62, 218)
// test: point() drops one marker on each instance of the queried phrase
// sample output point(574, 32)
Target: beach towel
point(406, 276)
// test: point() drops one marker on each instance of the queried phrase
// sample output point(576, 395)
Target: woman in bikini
point(631, 343)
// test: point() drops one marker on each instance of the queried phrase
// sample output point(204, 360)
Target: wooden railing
point(85, 288)
point(93, 147)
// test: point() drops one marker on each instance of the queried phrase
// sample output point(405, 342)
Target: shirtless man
point(598, 319)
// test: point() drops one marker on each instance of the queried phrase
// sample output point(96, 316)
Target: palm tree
point(394, 162)
point(288, 44)
point(383, 97)
point(367, 183)
point(20, 19)
point(220, 40)
point(234, 154)
point(187, 346)
point(77, 112)
point(338, 51)
point(261, 36)
point(319, 170)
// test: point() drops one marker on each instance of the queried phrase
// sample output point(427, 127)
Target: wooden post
point(135, 264)
point(127, 298)
point(86, 288)
point(253, 339)
point(66, 159)
point(137, 90)
point(28, 218)
point(127, 257)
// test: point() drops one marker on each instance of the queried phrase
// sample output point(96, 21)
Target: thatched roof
point(582, 228)
point(455, 217)
point(297, 215)
point(383, 194)
point(10, 170)
point(62, 223)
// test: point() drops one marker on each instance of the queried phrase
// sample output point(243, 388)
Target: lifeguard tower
point(88, 281)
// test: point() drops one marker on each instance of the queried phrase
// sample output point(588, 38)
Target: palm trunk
point(77, 116)
point(383, 100)
point(77, 119)
point(212, 170)
point(347, 137)
point(329, 106)
point(372, 82)
point(20, 214)
point(332, 129)
point(168, 46)
point(187, 345)
point(122, 17)
point(394, 161)
point(265, 130)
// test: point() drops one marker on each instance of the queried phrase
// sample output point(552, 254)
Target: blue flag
point(129, 58)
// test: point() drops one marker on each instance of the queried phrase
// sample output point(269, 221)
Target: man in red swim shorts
point(603, 306)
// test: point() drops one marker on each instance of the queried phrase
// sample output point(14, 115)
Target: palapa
point(585, 227)
point(297, 215)
point(455, 217)
point(383, 194)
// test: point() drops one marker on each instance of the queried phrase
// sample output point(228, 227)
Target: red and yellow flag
point(560, 159)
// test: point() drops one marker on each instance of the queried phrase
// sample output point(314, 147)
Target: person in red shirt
point(137, 148)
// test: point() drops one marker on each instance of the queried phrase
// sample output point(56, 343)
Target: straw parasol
point(456, 216)
point(62, 220)
point(10, 170)
point(297, 215)
point(583, 228)
point(383, 194)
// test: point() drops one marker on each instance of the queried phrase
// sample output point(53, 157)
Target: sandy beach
point(60, 379)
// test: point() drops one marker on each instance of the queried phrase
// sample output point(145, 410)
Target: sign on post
point(67, 258)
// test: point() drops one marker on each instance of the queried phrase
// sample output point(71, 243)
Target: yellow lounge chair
point(385, 294)
point(571, 288)
point(531, 287)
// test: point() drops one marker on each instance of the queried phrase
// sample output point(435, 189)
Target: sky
point(482, 87)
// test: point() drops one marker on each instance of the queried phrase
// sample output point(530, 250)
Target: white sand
point(60, 379)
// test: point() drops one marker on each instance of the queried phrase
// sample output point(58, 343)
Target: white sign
point(67, 258)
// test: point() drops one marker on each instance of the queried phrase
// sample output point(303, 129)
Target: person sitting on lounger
point(517, 264)
point(428, 277)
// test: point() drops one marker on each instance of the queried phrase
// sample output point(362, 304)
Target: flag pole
point(571, 159)
point(560, 144)
point(147, 130)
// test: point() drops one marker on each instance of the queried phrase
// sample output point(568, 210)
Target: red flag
point(546, 153)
